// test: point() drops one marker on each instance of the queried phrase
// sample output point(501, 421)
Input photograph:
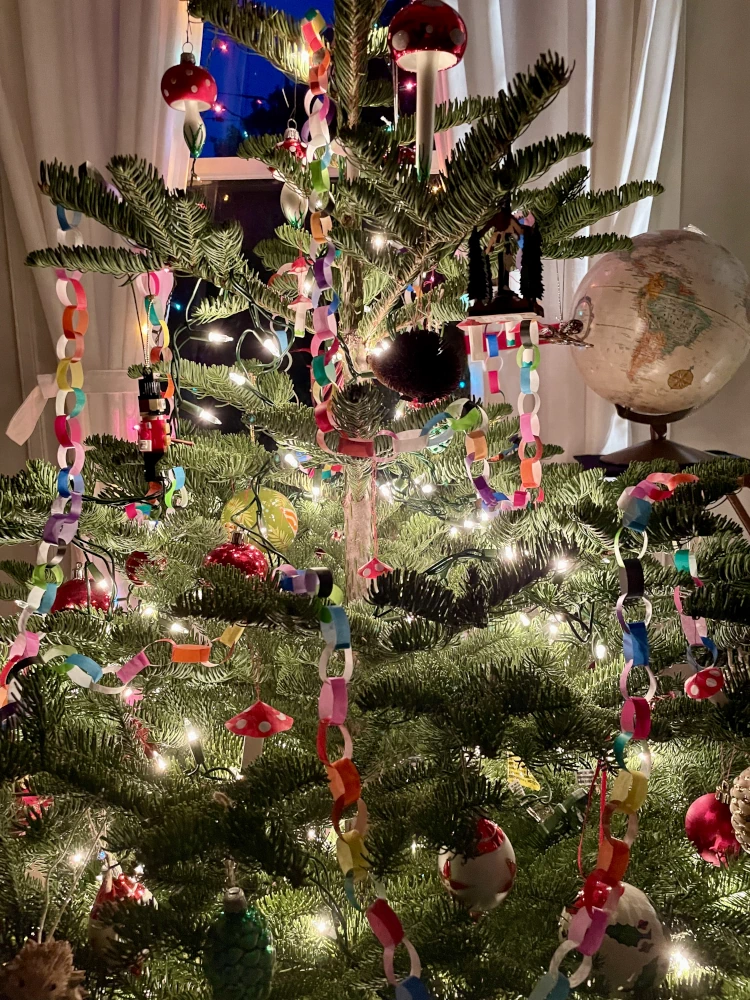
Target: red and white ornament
point(190, 88)
point(255, 725)
point(708, 825)
point(115, 888)
point(248, 559)
point(424, 37)
point(481, 883)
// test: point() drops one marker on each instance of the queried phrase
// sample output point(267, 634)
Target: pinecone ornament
point(42, 970)
point(739, 807)
point(239, 955)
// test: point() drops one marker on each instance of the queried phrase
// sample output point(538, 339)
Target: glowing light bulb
point(600, 651)
point(215, 337)
point(385, 345)
point(159, 763)
point(311, 833)
point(413, 847)
point(223, 46)
point(148, 611)
point(127, 693)
point(378, 241)
point(145, 329)
point(139, 870)
point(386, 491)
point(315, 491)
point(509, 552)
point(553, 628)
point(562, 565)
point(177, 628)
point(291, 460)
point(679, 962)
point(208, 417)
point(272, 345)
point(323, 926)
point(192, 735)
point(469, 524)
point(484, 517)
point(453, 532)
point(104, 585)
point(218, 108)
point(427, 489)
point(524, 619)
point(76, 859)
point(237, 378)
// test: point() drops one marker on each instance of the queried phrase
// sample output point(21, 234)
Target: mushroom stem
point(427, 67)
point(193, 129)
point(252, 749)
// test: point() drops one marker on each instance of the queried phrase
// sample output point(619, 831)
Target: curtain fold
point(620, 94)
point(79, 80)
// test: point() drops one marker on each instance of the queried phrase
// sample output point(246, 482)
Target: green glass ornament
point(239, 955)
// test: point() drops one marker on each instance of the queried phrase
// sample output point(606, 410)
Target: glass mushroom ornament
point(190, 88)
point(255, 725)
point(424, 37)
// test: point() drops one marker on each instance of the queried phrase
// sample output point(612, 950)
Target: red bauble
point(708, 825)
point(72, 594)
point(137, 561)
point(246, 558)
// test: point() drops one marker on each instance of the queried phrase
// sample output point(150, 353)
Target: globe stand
point(658, 447)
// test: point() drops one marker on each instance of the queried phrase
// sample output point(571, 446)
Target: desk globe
point(667, 327)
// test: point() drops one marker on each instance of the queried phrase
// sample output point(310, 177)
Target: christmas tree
point(168, 743)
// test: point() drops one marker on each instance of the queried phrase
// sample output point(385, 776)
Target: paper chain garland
point(153, 403)
point(603, 887)
point(62, 524)
point(343, 776)
point(706, 681)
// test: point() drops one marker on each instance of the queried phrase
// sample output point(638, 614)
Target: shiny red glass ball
point(72, 594)
point(708, 824)
point(246, 558)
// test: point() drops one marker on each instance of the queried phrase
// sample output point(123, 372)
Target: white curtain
point(79, 80)
point(626, 62)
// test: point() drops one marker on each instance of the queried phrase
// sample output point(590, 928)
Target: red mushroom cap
point(188, 82)
point(705, 683)
point(259, 721)
point(427, 26)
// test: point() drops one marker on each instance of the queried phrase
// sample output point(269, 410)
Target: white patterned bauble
point(634, 955)
point(481, 882)
point(666, 325)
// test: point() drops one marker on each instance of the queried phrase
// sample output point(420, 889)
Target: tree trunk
point(359, 525)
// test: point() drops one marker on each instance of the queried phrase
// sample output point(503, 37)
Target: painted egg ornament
point(279, 519)
point(708, 825)
point(481, 883)
point(634, 956)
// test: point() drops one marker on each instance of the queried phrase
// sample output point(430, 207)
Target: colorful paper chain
point(62, 524)
point(705, 681)
point(344, 778)
point(603, 887)
point(153, 403)
point(485, 348)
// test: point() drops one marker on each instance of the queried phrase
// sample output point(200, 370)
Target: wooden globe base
point(658, 447)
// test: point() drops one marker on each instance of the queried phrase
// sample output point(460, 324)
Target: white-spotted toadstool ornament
point(190, 88)
point(374, 568)
point(424, 37)
point(255, 725)
point(705, 683)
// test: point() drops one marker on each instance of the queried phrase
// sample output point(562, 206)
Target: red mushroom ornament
point(255, 724)
point(424, 37)
point(190, 88)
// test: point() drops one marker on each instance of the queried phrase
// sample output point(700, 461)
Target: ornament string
point(603, 888)
point(344, 779)
point(62, 524)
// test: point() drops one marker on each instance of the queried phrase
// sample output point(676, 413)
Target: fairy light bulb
point(237, 378)
point(386, 491)
point(427, 489)
point(148, 611)
point(208, 417)
point(215, 337)
point(509, 553)
point(524, 619)
point(378, 241)
point(177, 629)
point(600, 651)
point(291, 460)
point(272, 345)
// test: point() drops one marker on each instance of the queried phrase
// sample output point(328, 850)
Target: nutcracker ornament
point(424, 37)
point(481, 883)
point(190, 88)
point(153, 430)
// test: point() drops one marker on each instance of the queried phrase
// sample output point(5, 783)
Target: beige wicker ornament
point(42, 970)
point(739, 806)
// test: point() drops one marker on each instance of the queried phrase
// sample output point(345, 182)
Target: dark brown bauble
point(420, 364)
point(41, 971)
point(248, 559)
point(72, 594)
